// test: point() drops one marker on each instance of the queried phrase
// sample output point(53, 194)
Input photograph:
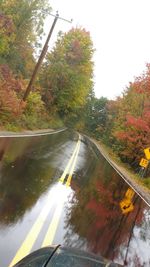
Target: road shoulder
point(30, 133)
point(126, 174)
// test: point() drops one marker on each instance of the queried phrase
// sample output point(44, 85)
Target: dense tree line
point(65, 80)
point(124, 123)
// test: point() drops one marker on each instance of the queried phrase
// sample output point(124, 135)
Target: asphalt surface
point(58, 189)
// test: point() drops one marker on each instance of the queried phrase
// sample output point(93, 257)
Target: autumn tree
point(10, 105)
point(68, 72)
point(132, 125)
point(27, 18)
point(21, 28)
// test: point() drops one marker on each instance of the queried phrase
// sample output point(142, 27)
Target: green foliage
point(34, 113)
point(112, 108)
point(95, 116)
point(6, 34)
point(147, 182)
point(55, 122)
point(67, 74)
point(12, 127)
point(34, 104)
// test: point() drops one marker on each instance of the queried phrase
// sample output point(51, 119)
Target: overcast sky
point(120, 30)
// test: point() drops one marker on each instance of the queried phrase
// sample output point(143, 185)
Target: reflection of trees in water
point(145, 230)
point(96, 218)
point(137, 251)
point(131, 230)
point(26, 173)
point(21, 186)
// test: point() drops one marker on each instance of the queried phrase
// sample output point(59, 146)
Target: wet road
point(58, 189)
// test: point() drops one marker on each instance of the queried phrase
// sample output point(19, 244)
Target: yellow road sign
point(126, 206)
point(144, 163)
point(129, 194)
point(147, 152)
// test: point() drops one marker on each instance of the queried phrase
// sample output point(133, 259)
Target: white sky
point(120, 30)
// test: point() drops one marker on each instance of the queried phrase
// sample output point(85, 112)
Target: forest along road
point(58, 189)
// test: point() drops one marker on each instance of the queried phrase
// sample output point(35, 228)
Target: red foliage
point(8, 78)
point(137, 123)
point(109, 227)
point(142, 83)
point(10, 104)
point(133, 120)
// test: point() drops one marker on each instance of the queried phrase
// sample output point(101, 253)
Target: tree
point(68, 72)
point(27, 17)
point(132, 125)
point(112, 108)
point(95, 115)
point(10, 105)
point(6, 33)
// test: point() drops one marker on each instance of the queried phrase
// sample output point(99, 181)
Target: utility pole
point(42, 55)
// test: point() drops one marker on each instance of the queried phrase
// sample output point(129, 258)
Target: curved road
point(58, 189)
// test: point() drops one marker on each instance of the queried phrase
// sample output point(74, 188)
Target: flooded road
point(58, 189)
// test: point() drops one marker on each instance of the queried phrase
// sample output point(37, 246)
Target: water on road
point(58, 189)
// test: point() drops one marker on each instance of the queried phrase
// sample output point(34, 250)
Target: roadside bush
point(146, 181)
point(17, 115)
point(10, 105)
point(34, 104)
point(12, 127)
point(35, 115)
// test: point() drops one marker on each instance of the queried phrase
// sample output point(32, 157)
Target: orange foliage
point(10, 104)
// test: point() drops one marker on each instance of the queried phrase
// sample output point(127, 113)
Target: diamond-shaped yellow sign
point(144, 163)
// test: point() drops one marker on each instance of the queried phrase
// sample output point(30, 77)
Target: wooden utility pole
point(42, 55)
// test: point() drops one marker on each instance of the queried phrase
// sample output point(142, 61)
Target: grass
point(32, 123)
point(142, 182)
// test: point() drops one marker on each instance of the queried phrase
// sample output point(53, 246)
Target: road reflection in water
point(28, 167)
point(96, 222)
point(87, 215)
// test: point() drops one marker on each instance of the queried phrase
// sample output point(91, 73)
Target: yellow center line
point(34, 232)
point(73, 166)
point(69, 163)
point(37, 226)
point(48, 240)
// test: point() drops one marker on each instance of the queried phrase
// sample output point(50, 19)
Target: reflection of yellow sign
point(144, 162)
point(129, 193)
point(147, 152)
point(126, 206)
